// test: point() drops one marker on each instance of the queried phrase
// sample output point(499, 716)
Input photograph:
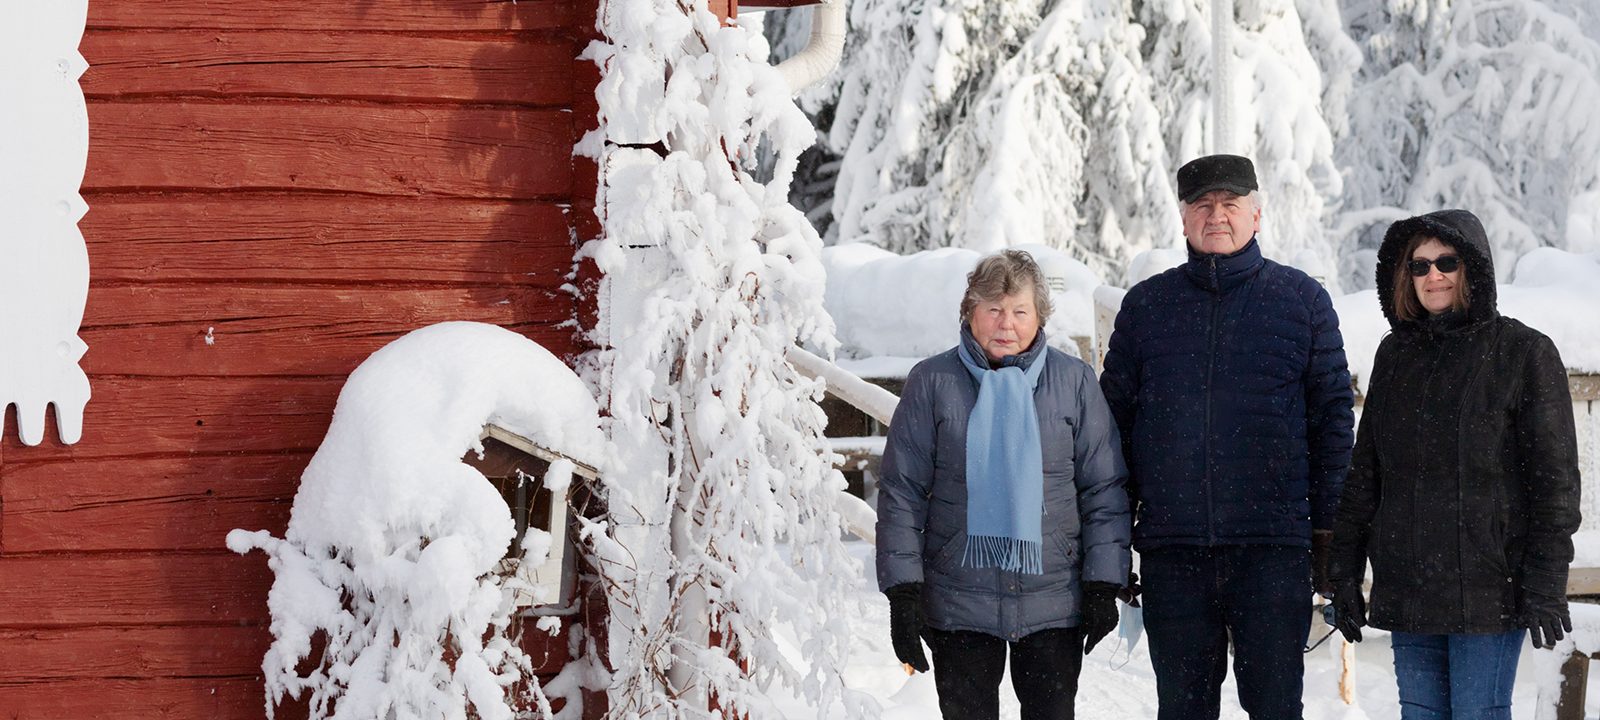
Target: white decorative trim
point(44, 265)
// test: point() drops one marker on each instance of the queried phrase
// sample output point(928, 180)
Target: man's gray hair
point(1006, 273)
point(1257, 200)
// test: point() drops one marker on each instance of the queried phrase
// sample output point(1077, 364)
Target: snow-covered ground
point(1116, 685)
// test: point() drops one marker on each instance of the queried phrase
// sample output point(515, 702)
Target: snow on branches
point(986, 125)
point(1481, 104)
point(389, 559)
point(720, 527)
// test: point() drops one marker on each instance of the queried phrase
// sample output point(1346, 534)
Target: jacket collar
point(1221, 273)
point(1448, 322)
point(1023, 359)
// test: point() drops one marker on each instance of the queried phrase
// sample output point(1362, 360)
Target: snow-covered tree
point(720, 528)
point(985, 125)
point(1280, 118)
point(1063, 146)
point(992, 124)
point(1481, 104)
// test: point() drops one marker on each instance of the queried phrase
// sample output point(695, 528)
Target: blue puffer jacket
point(922, 499)
point(1227, 377)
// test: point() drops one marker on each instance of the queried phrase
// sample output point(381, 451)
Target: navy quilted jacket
point(1228, 381)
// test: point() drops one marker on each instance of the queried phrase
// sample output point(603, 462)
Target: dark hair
point(1407, 306)
point(1005, 273)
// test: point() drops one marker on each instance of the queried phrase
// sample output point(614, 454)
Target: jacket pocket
point(946, 552)
point(1058, 443)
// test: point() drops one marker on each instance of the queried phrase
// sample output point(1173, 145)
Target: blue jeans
point(1456, 677)
point(1196, 598)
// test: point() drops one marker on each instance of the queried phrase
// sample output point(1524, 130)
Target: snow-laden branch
point(389, 556)
point(722, 512)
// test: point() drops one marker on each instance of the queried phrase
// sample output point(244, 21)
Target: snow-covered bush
point(389, 556)
point(720, 523)
point(1481, 104)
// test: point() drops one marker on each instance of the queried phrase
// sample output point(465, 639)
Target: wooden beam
point(130, 699)
point(144, 416)
point(321, 238)
point(431, 16)
point(1583, 581)
point(528, 70)
point(166, 503)
point(185, 329)
point(69, 590)
point(288, 145)
point(150, 652)
point(1584, 387)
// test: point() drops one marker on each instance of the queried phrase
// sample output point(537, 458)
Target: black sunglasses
point(1446, 264)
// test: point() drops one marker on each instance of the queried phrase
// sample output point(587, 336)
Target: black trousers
point(968, 666)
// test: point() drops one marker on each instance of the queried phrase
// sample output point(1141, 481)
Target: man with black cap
point(1228, 382)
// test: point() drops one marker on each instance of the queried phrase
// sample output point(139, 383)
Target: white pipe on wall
point(1222, 76)
point(822, 52)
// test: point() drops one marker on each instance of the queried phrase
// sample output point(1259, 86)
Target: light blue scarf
point(1005, 467)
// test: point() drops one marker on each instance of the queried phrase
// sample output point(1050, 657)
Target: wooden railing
point(879, 404)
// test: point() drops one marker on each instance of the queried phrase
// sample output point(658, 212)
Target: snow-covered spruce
point(720, 493)
point(1479, 104)
point(389, 555)
point(983, 125)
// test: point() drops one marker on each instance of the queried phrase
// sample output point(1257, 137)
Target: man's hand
point(1349, 610)
point(905, 624)
point(1321, 544)
point(1129, 593)
point(1545, 617)
point(1099, 612)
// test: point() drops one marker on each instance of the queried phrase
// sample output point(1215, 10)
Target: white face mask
point(1130, 627)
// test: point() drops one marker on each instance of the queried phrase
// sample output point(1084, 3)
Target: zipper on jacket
point(1211, 364)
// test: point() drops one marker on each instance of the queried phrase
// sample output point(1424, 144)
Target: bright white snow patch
point(390, 547)
point(910, 306)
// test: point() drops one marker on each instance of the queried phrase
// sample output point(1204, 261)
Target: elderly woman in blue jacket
point(1003, 523)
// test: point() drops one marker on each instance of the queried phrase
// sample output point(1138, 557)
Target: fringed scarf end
point(1023, 556)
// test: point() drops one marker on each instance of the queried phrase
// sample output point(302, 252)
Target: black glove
point(905, 624)
point(1545, 616)
point(1349, 610)
point(1321, 543)
point(1099, 612)
point(1130, 593)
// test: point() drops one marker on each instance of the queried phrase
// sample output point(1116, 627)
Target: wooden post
point(1574, 687)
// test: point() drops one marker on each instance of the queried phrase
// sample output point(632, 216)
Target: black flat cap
point(1216, 172)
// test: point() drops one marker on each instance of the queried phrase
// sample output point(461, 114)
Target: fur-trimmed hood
point(1460, 230)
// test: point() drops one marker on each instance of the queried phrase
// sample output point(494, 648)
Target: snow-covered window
point(536, 483)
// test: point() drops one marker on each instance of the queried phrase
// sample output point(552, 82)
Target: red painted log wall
point(300, 183)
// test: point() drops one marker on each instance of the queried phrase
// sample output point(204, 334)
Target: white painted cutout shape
point(44, 265)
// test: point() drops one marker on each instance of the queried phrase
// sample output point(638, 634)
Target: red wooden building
point(276, 190)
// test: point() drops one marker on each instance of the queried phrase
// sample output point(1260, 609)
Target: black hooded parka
point(1463, 488)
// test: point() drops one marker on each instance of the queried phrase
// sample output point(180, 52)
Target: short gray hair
point(1257, 200)
point(1005, 273)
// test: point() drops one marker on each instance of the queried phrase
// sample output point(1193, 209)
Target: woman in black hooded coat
point(1463, 489)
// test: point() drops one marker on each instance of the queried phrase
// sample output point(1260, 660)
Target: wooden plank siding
point(332, 239)
point(275, 192)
